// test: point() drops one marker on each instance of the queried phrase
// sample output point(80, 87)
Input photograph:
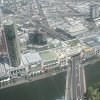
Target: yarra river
point(51, 88)
point(92, 73)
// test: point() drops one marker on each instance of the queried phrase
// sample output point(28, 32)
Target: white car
point(78, 84)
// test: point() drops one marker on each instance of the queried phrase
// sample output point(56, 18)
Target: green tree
point(90, 93)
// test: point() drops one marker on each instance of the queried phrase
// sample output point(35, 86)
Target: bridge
point(75, 81)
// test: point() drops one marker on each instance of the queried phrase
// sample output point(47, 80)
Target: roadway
point(68, 85)
point(77, 79)
point(44, 20)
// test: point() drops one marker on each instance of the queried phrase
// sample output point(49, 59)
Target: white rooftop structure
point(77, 28)
point(2, 70)
point(31, 57)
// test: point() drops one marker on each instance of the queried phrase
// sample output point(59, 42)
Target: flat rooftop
point(73, 43)
point(2, 70)
point(30, 57)
point(8, 22)
point(86, 50)
point(48, 55)
point(77, 28)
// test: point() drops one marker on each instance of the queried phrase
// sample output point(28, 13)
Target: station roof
point(48, 55)
point(30, 57)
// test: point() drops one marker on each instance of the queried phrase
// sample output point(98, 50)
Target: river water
point(51, 88)
point(92, 74)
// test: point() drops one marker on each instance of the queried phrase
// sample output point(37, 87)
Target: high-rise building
point(42, 37)
point(38, 37)
point(0, 29)
point(12, 43)
point(3, 43)
point(94, 11)
point(0, 16)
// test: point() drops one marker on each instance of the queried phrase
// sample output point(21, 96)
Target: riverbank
point(29, 78)
point(51, 88)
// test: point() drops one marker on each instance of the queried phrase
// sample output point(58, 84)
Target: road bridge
point(77, 81)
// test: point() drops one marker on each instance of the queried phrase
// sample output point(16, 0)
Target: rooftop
point(88, 50)
point(73, 43)
point(98, 38)
point(48, 55)
point(30, 57)
point(61, 52)
point(8, 22)
point(77, 29)
point(2, 70)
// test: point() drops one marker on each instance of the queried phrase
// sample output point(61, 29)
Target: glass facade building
point(12, 43)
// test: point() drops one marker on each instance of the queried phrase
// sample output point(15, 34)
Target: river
point(51, 88)
point(92, 73)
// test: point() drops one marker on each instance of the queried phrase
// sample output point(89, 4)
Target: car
point(78, 84)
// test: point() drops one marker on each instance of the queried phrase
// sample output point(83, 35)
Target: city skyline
point(42, 39)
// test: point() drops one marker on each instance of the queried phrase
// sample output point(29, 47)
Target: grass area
point(92, 73)
point(73, 42)
point(48, 55)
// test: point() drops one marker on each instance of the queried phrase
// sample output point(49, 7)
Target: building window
point(17, 70)
point(14, 71)
point(20, 69)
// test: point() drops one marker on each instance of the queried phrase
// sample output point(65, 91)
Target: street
point(75, 87)
point(77, 79)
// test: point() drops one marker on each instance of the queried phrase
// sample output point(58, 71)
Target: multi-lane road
point(77, 81)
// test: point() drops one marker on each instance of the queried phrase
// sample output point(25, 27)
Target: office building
point(42, 37)
point(12, 43)
point(94, 11)
point(3, 42)
point(38, 37)
point(0, 16)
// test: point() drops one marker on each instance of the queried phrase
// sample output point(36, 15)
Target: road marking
point(80, 81)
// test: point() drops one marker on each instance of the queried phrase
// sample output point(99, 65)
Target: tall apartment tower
point(94, 11)
point(0, 16)
point(12, 43)
point(3, 41)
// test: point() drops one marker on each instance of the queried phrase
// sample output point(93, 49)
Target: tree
point(90, 93)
